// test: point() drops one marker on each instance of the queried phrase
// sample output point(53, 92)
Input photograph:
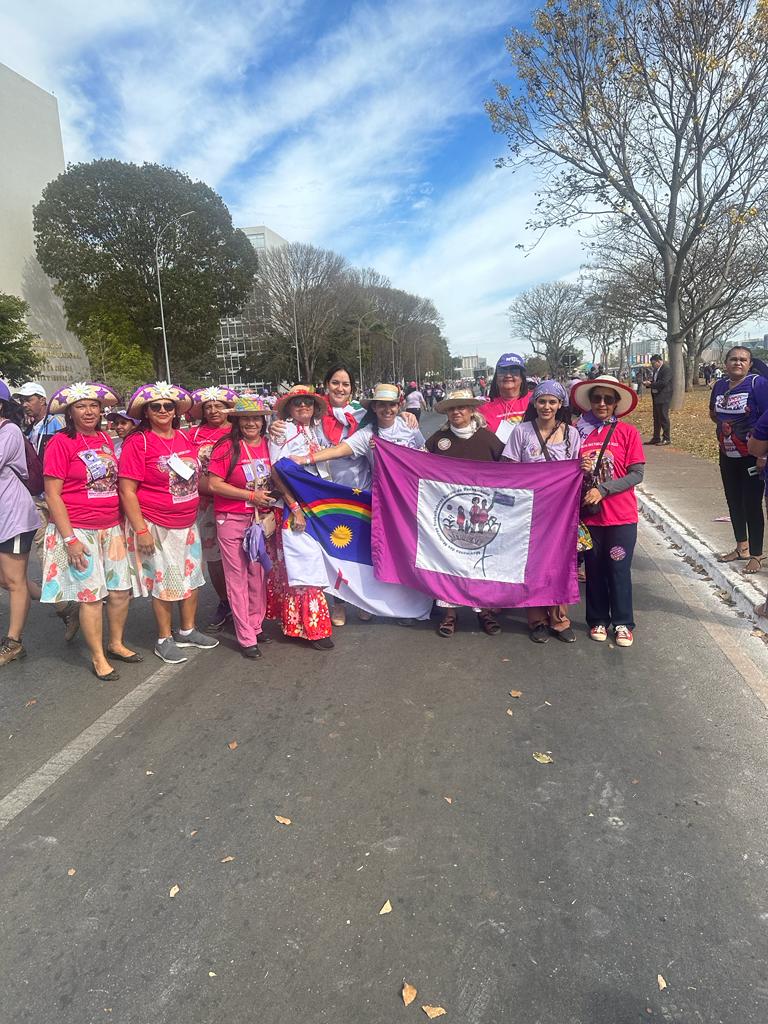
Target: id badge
point(93, 464)
point(248, 473)
point(180, 468)
point(504, 431)
point(262, 469)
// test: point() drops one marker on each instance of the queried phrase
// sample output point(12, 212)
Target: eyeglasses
point(162, 406)
point(303, 401)
point(608, 399)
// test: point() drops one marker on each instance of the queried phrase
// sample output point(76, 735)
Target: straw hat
point(455, 399)
point(321, 406)
point(627, 397)
point(72, 393)
point(156, 392)
point(383, 393)
point(217, 393)
point(249, 405)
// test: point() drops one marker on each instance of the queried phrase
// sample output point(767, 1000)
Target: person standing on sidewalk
point(508, 396)
point(737, 402)
point(661, 393)
point(613, 462)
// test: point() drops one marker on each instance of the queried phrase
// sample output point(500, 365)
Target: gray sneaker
point(169, 652)
point(195, 639)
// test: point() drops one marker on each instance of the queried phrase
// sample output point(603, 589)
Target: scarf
point(335, 421)
point(465, 432)
point(588, 422)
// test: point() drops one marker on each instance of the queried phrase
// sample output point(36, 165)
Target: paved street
point(520, 892)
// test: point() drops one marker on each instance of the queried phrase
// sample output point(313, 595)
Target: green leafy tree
point(98, 227)
point(115, 353)
point(18, 360)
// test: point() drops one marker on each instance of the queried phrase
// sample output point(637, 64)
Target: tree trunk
point(690, 364)
point(676, 362)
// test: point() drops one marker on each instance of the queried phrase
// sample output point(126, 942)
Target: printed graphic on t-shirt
point(180, 490)
point(732, 403)
point(101, 473)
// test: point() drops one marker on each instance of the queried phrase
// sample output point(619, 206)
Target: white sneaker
point(599, 633)
point(623, 635)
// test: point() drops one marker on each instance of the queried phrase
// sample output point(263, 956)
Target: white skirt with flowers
point(173, 570)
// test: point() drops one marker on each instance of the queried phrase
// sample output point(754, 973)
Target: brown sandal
point(754, 565)
point(447, 625)
point(488, 623)
point(732, 556)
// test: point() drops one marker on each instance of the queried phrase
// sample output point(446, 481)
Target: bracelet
point(311, 458)
point(140, 533)
point(294, 507)
point(72, 539)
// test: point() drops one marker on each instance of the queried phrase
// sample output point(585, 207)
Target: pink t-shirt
point(88, 467)
point(253, 462)
point(624, 449)
point(511, 410)
point(165, 497)
point(205, 438)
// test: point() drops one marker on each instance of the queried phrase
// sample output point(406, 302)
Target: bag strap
point(599, 461)
point(542, 442)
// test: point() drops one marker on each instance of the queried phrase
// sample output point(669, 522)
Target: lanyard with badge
point(93, 463)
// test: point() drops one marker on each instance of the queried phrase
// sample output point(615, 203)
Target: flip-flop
point(732, 556)
point(132, 659)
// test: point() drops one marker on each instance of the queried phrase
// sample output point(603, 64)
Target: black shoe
point(251, 652)
point(653, 440)
point(325, 644)
point(539, 634)
point(567, 636)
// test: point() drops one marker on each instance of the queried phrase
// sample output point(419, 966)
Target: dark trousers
point(609, 575)
point(661, 421)
point(744, 494)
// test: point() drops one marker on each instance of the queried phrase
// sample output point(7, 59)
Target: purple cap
point(5, 394)
point(510, 361)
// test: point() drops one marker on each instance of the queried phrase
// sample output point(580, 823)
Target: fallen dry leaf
point(194, 832)
point(212, 974)
point(386, 909)
point(543, 758)
point(515, 693)
point(227, 860)
point(661, 982)
point(505, 659)
point(510, 712)
point(434, 1011)
point(232, 744)
point(282, 820)
point(408, 993)
point(71, 872)
point(31, 703)
point(174, 891)
point(149, 773)
point(448, 799)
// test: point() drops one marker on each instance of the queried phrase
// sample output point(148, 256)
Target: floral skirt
point(107, 568)
point(173, 570)
point(206, 524)
point(302, 611)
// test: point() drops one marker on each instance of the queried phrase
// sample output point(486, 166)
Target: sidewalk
point(683, 496)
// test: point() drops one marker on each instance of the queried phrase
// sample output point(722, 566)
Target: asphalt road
point(520, 892)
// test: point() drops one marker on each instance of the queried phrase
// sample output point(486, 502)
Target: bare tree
point(654, 109)
point(552, 317)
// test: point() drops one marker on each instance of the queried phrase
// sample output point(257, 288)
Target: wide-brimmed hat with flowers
point(456, 399)
point(215, 393)
point(249, 405)
point(383, 393)
point(321, 406)
point(156, 392)
point(72, 393)
point(627, 397)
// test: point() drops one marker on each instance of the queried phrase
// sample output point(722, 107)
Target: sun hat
point(249, 405)
point(215, 393)
point(29, 389)
point(321, 406)
point(550, 387)
point(456, 399)
point(627, 397)
point(511, 361)
point(72, 393)
point(121, 414)
point(383, 393)
point(157, 392)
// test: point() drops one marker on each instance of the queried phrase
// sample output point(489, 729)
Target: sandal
point(447, 625)
point(488, 623)
point(732, 556)
point(754, 565)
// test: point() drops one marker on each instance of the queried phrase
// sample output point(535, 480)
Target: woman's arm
point(224, 490)
point(758, 448)
point(631, 478)
point(77, 552)
point(339, 451)
point(130, 504)
point(290, 500)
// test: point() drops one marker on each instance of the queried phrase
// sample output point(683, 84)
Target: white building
point(32, 156)
point(240, 336)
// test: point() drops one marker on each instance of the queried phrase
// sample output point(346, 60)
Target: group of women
point(145, 523)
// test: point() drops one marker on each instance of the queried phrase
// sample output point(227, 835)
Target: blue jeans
point(609, 575)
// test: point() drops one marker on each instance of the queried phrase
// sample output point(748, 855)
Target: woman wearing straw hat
point(545, 435)
point(238, 479)
point(465, 436)
point(507, 396)
point(303, 611)
point(85, 557)
point(613, 461)
point(212, 405)
point(159, 471)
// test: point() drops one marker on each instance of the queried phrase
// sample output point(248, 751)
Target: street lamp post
point(160, 234)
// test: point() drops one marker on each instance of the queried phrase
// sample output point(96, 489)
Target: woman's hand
point(410, 420)
point(77, 555)
point(145, 544)
point(592, 497)
point(586, 463)
point(260, 496)
point(299, 522)
point(300, 460)
point(277, 431)
point(372, 442)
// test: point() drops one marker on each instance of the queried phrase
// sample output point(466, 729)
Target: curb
point(741, 591)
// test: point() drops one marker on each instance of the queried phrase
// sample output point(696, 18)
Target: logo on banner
point(465, 520)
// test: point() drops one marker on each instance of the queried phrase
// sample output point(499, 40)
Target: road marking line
point(36, 784)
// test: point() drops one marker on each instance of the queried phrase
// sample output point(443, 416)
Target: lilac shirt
point(523, 446)
point(17, 509)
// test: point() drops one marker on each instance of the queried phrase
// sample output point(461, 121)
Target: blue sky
point(355, 126)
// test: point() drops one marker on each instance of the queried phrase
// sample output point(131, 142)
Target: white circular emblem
point(444, 444)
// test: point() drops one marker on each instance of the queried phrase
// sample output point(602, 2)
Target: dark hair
point(410, 389)
point(13, 411)
point(657, 356)
point(69, 421)
point(234, 438)
point(493, 390)
point(371, 419)
point(563, 414)
point(738, 348)
point(335, 369)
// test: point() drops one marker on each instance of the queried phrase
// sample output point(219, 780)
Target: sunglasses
point(303, 401)
point(162, 406)
point(608, 399)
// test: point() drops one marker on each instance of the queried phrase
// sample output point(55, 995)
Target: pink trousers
point(246, 583)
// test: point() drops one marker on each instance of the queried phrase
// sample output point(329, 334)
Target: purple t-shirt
point(17, 510)
point(738, 409)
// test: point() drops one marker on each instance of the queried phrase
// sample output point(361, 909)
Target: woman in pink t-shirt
point(158, 473)
point(508, 396)
point(84, 552)
point(212, 405)
point(613, 462)
point(238, 478)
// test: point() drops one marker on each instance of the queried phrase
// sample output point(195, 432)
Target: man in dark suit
point(661, 391)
